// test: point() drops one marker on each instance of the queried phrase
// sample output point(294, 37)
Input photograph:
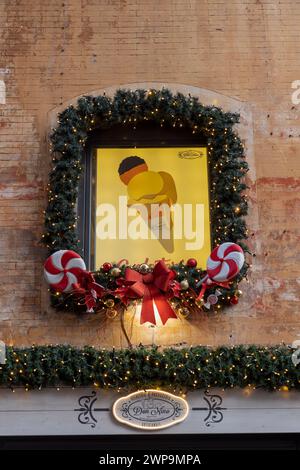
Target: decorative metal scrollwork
point(87, 409)
point(215, 414)
point(213, 408)
point(86, 403)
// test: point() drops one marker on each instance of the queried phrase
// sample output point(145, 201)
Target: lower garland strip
point(199, 367)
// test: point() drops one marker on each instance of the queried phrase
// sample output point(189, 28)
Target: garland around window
point(227, 168)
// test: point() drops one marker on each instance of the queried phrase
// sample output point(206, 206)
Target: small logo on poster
point(191, 154)
point(150, 409)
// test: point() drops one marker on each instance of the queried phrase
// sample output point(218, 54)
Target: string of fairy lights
point(178, 370)
point(227, 169)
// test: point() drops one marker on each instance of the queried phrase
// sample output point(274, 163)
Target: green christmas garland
point(227, 168)
point(269, 368)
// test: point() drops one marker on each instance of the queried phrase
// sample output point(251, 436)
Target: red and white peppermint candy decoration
point(62, 270)
point(225, 262)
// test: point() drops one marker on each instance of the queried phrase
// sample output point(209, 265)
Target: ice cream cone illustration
point(156, 191)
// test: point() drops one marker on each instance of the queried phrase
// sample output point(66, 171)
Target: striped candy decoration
point(62, 269)
point(225, 262)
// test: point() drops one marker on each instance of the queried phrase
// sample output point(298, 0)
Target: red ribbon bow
point(207, 282)
point(151, 287)
point(89, 288)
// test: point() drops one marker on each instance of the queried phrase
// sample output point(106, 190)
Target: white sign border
point(150, 428)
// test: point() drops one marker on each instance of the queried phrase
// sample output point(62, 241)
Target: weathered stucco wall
point(54, 51)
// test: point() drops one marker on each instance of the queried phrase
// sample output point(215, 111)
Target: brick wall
point(56, 50)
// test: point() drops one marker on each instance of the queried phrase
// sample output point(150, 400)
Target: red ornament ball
point(106, 267)
point(234, 300)
point(192, 263)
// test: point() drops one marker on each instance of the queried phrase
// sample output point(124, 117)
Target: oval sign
point(191, 154)
point(150, 409)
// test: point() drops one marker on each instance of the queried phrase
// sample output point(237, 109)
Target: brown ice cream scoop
point(130, 167)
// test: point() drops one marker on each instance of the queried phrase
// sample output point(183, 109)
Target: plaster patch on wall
point(19, 192)
point(267, 286)
point(2, 352)
point(289, 296)
point(2, 92)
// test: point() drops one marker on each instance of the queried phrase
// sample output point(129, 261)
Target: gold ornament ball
point(199, 302)
point(115, 272)
point(183, 312)
point(111, 313)
point(184, 284)
point(109, 303)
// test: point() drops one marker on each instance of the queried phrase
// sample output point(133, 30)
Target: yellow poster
point(151, 204)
